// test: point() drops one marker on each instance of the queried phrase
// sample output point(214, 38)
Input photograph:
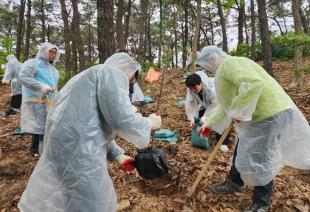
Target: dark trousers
point(36, 138)
point(261, 194)
point(218, 136)
point(16, 101)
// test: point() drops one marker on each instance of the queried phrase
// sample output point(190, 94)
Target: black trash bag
point(151, 163)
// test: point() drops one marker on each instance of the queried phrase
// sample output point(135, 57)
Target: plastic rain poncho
point(11, 74)
point(137, 95)
point(193, 103)
point(272, 132)
point(88, 112)
point(34, 74)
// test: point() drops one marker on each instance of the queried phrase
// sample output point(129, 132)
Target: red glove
point(205, 132)
point(126, 163)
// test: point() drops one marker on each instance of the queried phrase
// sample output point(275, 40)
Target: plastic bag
point(151, 163)
point(199, 141)
point(166, 135)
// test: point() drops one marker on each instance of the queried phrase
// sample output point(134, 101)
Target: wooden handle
point(210, 159)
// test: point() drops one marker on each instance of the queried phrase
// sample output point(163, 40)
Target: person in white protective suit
point(88, 112)
point(11, 76)
point(39, 79)
point(271, 130)
point(200, 100)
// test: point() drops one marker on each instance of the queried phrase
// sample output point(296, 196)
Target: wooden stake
point(210, 159)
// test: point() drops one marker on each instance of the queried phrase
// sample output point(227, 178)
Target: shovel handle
point(210, 159)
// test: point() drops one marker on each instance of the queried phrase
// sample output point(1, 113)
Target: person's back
point(251, 76)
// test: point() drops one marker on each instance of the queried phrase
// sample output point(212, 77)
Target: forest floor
point(291, 190)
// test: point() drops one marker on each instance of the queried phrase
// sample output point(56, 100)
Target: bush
point(282, 47)
point(64, 76)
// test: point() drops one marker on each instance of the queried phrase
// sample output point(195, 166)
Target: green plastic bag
point(199, 141)
point(166, 135)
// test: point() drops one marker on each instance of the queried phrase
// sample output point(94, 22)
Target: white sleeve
point(117, 110)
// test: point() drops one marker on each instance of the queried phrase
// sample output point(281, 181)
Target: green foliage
point(242, 50)
point(145, 65)
point(6, 44)
point(282, 47)
point(64, 76)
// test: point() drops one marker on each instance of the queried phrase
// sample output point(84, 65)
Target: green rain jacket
point(246, 92)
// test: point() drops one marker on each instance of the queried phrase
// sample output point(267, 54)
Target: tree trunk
point(211, 26)
point(253, 36)
point(149, 38)
point(142, 30)
point(74, 52)
point(278, 24)
point(106, 45)
point(119, 25)
point(127, 19)
point(28, 30)
point(240, 22)
point(176, 42)
point(77, 34)
point(20, 28)
point(305, 22)
point(298, 48)
point(43, 32)
point(160, 31)
point(265, 36)
point(197, 30)
point(185, 37)
point(222, 20)
point(67, 35)
point(246, 29)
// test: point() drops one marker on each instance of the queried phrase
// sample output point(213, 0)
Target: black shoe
point(226, 187)
point(11, 111)
point(256, 207)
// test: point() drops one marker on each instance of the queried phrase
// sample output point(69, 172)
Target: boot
point(226, 187)
point(256, 207)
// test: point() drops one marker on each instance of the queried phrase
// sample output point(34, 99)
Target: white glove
point(155, 121)
point(46, 89)
point(122, 158)
point(5, 81)
point(126, 163)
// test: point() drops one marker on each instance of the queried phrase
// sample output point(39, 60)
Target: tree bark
point(77, 34)
point(185, 37)
point(265, 36)
point(160, 31)
point(119, 25)
point(223, 24)
point(127, 19)
point(20, 28)
point(305, 22)
point(28, 30)
point(298, 49)
point(43, 31)
point(240, 22)
point(253, 28)
point(211, 26)
point(67, 35)
point(106, 45)
point(197, 30)
point(74, 58)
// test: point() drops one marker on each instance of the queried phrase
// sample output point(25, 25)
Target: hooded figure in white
point(11, 75)
point(38, 77)
point(194, 104)
point(89, 111)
